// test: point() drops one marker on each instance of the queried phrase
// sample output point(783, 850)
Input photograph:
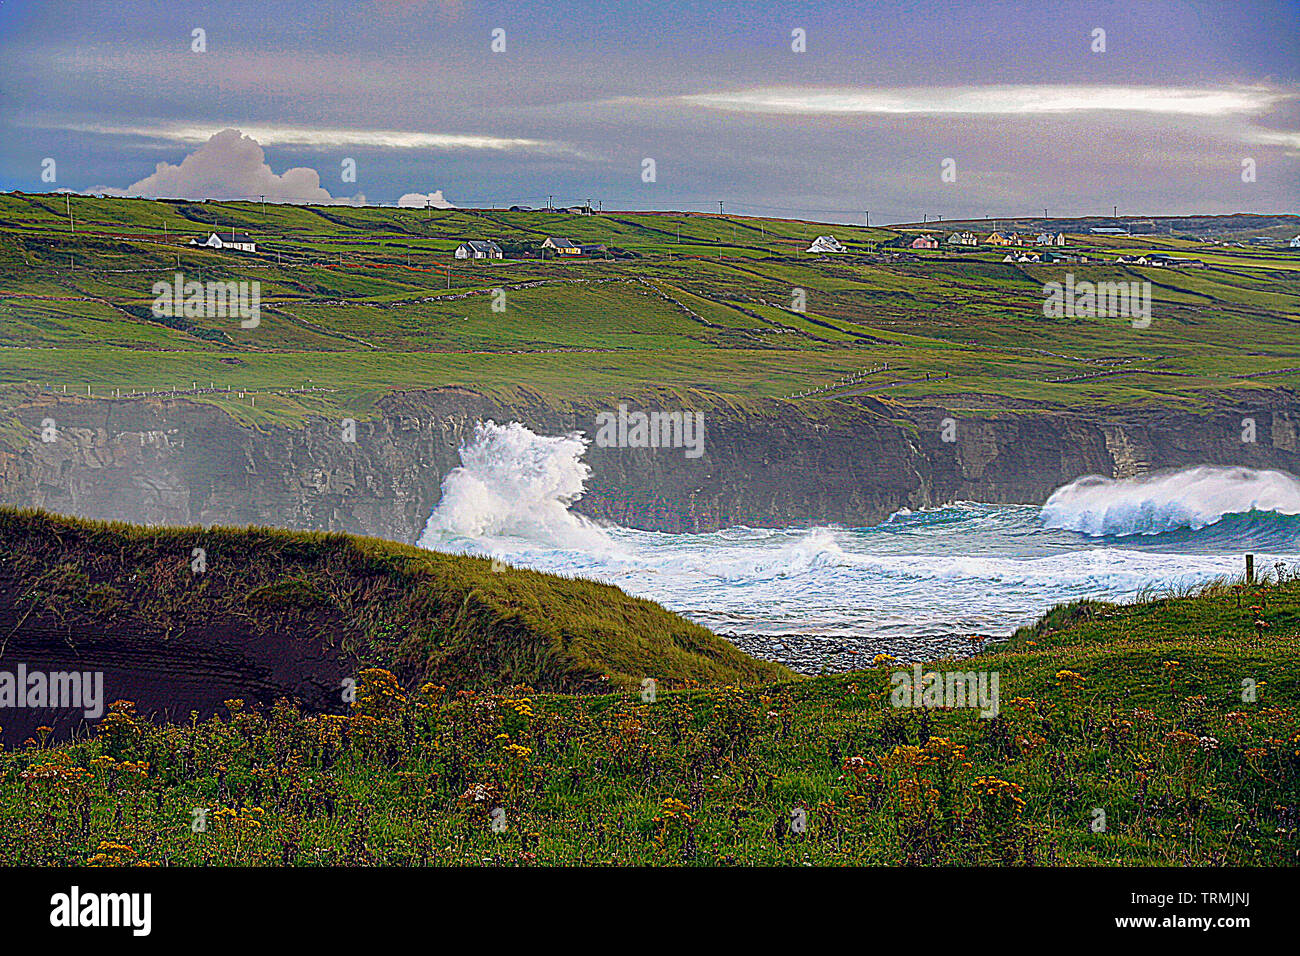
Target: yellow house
point(562, 247)
point(997, 239)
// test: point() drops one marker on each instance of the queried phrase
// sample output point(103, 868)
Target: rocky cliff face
point(183, 463)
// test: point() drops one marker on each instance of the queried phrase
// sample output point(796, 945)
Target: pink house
point(925, 242)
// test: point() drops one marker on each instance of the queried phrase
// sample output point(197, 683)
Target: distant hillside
point(356, 302)
point(1274, 226)
point(286, 614)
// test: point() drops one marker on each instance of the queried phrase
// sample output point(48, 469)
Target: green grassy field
point(457, 619)
point(359, 301)
point(1137, 713)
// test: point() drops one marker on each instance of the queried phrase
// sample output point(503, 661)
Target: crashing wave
point(1162, 502)
point(515, 484)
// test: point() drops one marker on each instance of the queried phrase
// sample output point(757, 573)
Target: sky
point(826, 111)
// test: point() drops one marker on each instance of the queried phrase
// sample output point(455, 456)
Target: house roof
point(480, 245)
point(825, 243)
point(225, 237)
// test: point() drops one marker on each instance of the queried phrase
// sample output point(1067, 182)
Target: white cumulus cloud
point(434, 199)
point(231, 165)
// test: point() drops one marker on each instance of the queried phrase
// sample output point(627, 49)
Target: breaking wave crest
point(1163, 502)
point(513, 483)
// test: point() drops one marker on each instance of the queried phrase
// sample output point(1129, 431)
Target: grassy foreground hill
point(188, 617)
point(1164, 732)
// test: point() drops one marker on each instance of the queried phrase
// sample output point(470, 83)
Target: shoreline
point(813, 654)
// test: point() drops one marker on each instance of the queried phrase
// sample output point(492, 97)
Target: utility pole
point(719, 207)
point(263, 198)
point(67, 202)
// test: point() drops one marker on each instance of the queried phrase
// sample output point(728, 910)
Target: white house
point(1047, 239)
point(963, 239)
point(1294, 243)
point(826, 244)
point(236, 240)
point(476, 249)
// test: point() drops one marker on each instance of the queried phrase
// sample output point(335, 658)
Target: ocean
point(921, 578)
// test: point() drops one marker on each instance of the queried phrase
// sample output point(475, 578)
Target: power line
point(487, 202)
point(618, 204)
